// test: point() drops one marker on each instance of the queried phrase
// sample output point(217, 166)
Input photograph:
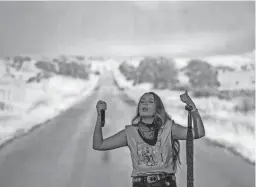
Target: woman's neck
point(148, 120)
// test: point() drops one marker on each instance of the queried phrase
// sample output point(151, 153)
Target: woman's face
point(147, 105)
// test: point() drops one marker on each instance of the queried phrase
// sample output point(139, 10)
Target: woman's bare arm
point(117, 140)
point(180, 132)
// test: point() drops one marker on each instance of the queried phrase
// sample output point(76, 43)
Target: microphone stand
point(102, 118)
point(189, 149)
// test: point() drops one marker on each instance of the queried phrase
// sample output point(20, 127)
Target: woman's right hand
point(101, 105)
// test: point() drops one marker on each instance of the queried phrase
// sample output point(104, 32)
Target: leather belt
point(153, 178)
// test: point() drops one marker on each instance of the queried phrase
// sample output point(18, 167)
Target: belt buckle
point(151, 179)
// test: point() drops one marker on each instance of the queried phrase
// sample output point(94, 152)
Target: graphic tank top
point(150, 159)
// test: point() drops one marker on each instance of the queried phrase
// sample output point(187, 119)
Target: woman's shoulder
point(133, 126)
point(130, 128)
point(169, 122)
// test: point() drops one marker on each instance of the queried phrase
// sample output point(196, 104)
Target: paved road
point(59, 153)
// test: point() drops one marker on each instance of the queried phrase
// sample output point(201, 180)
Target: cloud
point(147, 5)
point(179, 45)
point(144, 27)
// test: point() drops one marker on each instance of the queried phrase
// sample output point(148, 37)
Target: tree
point(201, 74)
point(128, 71)
point(160, 71)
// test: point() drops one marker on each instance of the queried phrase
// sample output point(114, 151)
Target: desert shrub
point(204, 92)
point(3, 106)
point(145, 71)
point(17, 62)
point(72, 69)
point(97, 73)
point(46, 74)
point(69, 70)
point(167, 74)
point(160, 71)
point(39, 76)
point(201, 74)
point(226, 95)
point(224, 68)
point(246, 104)
point(98, 58)
point(62, 68)
point(55, 60)
point(248, 67)
point(63, 58)
point(230, 94)
point(128, 71)
point(80, 58)
point(46, 66)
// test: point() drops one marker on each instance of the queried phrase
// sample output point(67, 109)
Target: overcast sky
point(127, 28)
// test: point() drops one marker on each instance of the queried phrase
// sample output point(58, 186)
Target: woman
point(152, 139)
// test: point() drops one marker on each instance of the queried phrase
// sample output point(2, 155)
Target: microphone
point(102, 112)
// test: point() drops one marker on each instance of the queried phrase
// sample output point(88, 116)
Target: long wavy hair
point(160, 118)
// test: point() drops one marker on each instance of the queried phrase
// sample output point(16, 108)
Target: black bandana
point(148, 132)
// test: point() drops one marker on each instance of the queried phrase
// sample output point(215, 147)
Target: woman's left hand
point(185, 98)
